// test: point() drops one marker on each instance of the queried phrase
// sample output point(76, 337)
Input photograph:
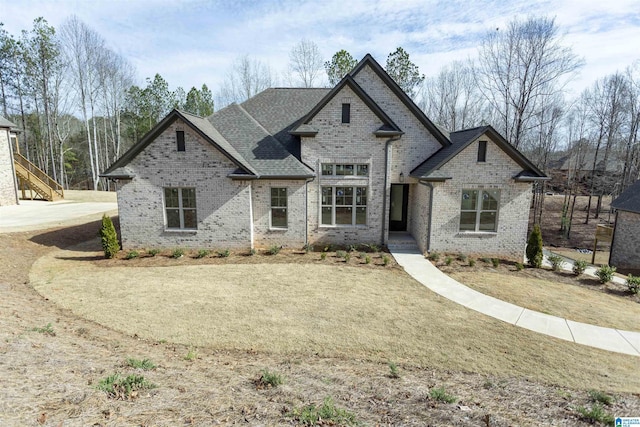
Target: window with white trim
point(344, 205)
point(279, 208)
point(341, 169)
point(479, 210)
point(180, 208)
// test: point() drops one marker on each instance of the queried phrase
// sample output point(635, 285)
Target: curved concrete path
point(421, 269)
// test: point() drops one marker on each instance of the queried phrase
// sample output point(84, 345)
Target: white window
point(180, 208)
point(479, 210)
point(341, 169)
point(279, 207)
point(344, 205)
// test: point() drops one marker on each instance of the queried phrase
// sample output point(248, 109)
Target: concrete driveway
point(32, 215)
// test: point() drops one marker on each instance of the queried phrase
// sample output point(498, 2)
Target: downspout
point(251, 214)
point(430, 186)
point(387, 159)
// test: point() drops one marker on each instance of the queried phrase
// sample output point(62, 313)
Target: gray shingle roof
point(4, 123)
point(629, 200)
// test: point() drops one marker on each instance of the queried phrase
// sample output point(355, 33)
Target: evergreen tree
point(341, 63)
point(404, 72)
point(534, 247)
point(109, 237)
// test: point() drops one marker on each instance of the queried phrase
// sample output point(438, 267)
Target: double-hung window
point(279, 208)
point(344, 205)
point(180, 208)
point(479, 210)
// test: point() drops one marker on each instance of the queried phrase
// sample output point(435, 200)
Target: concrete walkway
point(425, 272)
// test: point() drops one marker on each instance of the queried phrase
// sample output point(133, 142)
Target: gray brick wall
point(513, 212)
point(418, 222)
point(8, 189)
point(625, 249)
point(222, 204)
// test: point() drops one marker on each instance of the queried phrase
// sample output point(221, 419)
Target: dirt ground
point(49, 378)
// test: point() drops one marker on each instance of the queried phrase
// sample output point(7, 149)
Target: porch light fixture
point(401, 176)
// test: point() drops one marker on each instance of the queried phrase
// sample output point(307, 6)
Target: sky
point(191, 42)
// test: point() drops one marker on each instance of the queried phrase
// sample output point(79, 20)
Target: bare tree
point(520, 66)
point(247, 77)
point(305, 63)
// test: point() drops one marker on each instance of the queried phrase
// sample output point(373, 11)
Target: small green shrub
point(556, 261)
point(177, 253)
point(132, 255)
point(472, 262)
point(495, 262)
point(441, 395)
point(153, 252)
point(385, 260)
point(274, 250)
point(340, 254)
point(119, 387)
point(633, 283)
point(600, 397)
point(434, 256)
point(269, 379)
point(326, 414)
point(448, 260)
point(144, 364)
point(323, 256)
point(362, 255)
point(203, 253)
point(307, 248)
point(579, 267)
point(47, 330)
point(519, 266)
point(347, 257)
point(534, 248)
point(108, 237)
point(393, 370)
point(224, 253)
point(192, 354)
point(605, 273)
point(373, 248)
point(252, 252)
point(353, 248)
point(486, 260)
point(596, 414)
point(367, 259)
point(462, 257)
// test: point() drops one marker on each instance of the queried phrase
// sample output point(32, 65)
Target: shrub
point(132, 255)
point(192, 354)
point(47, 330)
point(605, 273)
point(579, 267)
point(323, 256)
point(108, 237)
point(486, 260)
point(393, 370)
point(307, 248)
point(119, 387)
point(177, 253)
point(144, 364)
point(448, 260)
point(462, 257)
point(274, 250)
point(385, 260)
point(202, 253)
point(495, 262)
point(534, 247)
point(367, 259)
point(556, 261)
point(153, 252)
point(519, 266)
point(441, 395)
point(600, 397)
point(633, 283)
point(340, 254)
point(362, 255)
point(373, 248)
point(353, 248)
point(347, 257)
point(268, 379)
point(326, 414)
point(252, 252)
point(472, 262)
point(596, 414)
point(224, 253)
point(434, 256)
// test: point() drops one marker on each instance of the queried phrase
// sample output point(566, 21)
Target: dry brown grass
point(602, 257)
point(81, 196)
point(573, 302)
point(347, 312)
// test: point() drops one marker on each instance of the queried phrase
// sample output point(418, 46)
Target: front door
point(398, 208)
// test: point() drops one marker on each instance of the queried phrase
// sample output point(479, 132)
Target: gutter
point(430, 186)
point(387, 159)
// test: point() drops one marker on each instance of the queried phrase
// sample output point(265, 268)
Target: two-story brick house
point(344, 165)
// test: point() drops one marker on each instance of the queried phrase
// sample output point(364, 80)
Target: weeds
point(441, 395)
point(202, 253)
point(393, 370)
point(177, 253)
point(252, 252)
point(144, 364)
point(269, 379)
point(495, 262)
point(224, 253)
point(132, 255)
point(472, 262)
point(600, 397)
point(153, 252)
point(579, 267)
point(462, 257)
point(191, 355)
point(119, 387)
point(595, 414)
point(274, 250)
point(307, 248)
point(326, 414)
point(46, 330)
point(605, 273)
point(448, 260)
point(519, 266)
point(323, 256)
point(434, 256)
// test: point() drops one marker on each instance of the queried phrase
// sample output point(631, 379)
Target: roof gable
point(388, 128)
point(629, 200)
point(201, 126)
point(406, 100)
point(4, 123)
point(461, 140)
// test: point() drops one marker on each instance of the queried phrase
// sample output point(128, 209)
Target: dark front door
point(398, 208)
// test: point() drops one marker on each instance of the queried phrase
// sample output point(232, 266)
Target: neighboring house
point(345, 165)
point(625, 246)
point(8, 184)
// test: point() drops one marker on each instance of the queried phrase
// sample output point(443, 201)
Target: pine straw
point(330, 311)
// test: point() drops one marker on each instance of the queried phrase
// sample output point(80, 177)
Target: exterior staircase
point(402, 241)
point(31, 177)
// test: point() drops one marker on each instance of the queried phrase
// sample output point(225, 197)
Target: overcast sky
point(195, 42)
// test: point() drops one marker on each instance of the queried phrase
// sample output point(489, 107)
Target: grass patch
point(269, 379)
point(191, 355)
point(600, 397)
point(119, 387)
point(144, 364)
point(132, 255)
point(325, 414)
point(595, 414)
point(46, 330)
point(394, 372)
point(440, 394)
point(274, 249)
point(203, 253)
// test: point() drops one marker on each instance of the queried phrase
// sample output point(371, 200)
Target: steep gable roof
point(198, 124)
point(462, 139)
point(417, 112)
point(4, 123)
point(388, 128)
point(629, 200)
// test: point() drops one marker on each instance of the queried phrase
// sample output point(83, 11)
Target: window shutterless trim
point(282, 202)
point(346, 113)
point(482, 151)
point(180, 140)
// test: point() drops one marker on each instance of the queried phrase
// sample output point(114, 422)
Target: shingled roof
point(629, 200)
point(4, 123)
